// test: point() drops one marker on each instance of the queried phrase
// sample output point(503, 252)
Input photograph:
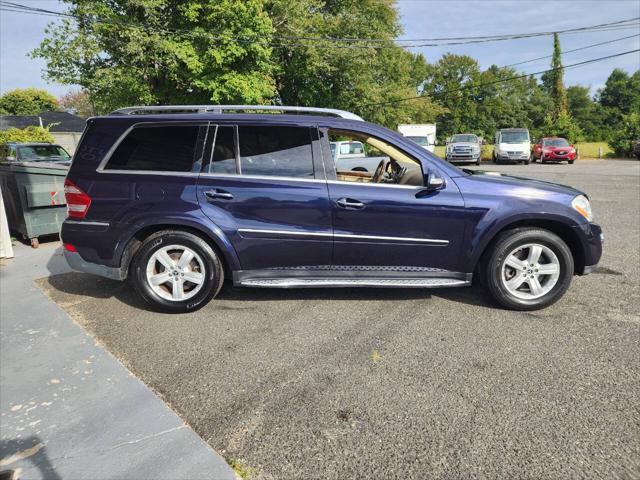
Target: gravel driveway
point(376, 383)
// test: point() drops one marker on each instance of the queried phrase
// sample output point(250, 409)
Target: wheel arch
point(562, 229)
point(214, 237)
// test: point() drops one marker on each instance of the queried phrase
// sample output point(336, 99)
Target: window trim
point(200, 146)
point(236, 138)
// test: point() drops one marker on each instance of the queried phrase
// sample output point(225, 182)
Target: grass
point(243, 472)
point(590, 150)
point(585, 149)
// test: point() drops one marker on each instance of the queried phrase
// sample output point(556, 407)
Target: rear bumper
point(79, 264)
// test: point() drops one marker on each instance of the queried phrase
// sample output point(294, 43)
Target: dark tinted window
point(277, 151)
point(223, 157)
point(170, 148)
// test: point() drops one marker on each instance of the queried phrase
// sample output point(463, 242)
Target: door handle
point(350, 203)
point(217, 193)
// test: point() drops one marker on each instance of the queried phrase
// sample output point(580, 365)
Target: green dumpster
point(33, 194)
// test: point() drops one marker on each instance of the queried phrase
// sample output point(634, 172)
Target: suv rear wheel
point(528, 269)
point(177, 271)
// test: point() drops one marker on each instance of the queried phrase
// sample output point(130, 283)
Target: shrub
point(623, 138)
point(27, 101)
point(29, 134)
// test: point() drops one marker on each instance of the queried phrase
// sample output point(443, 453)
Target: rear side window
point(275, 151)
point(168, 148)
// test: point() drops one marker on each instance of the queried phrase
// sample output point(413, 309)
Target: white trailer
point(423, 134)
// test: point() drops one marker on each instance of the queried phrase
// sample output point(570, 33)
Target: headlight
point(581, 205)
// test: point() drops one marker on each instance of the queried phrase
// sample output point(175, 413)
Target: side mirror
point(432, 183)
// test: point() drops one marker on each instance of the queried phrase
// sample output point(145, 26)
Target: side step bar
point(294, 282)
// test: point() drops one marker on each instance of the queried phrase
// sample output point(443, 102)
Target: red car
point(554, 149)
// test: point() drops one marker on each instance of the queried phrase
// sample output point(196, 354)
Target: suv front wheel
point(528, 269)
point(177, 271)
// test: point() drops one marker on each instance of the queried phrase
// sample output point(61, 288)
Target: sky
point(20, 33)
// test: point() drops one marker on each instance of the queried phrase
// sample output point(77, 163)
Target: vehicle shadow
point(86, 285)
point(29, 449)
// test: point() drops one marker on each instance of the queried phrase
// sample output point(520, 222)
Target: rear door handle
point(350, 203)
point(218, 194)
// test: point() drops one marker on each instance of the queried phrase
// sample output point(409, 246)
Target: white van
point(512, 145)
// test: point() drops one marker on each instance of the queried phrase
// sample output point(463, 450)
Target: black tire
point(504, 244)
point(571, 162)
point(213, 278)
point(478, 162)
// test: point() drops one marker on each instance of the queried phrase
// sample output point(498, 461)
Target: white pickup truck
point(351, 156)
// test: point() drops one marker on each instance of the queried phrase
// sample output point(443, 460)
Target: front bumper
point(553, 157)
point(592, 239)
point(513, 157)
point(457, 158)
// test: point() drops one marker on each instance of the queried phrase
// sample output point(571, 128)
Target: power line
point(502, 80)
point(574, 50)
point(374, 43)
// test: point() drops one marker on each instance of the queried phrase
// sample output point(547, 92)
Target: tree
point(619, 97)
point(562, 125)
point(354, 76)
point(588, 114)
point(27, 101)
point(556, 79)
point(162, 51)
point(450, 83)
point(623, 137)
point(77, 102)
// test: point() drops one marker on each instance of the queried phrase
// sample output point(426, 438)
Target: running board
point(354, 282)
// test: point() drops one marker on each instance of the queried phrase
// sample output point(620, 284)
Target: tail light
point(78, 202)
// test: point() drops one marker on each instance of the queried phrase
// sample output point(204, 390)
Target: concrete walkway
point(70, 410)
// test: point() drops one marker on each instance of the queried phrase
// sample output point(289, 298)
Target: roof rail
point(141, 110)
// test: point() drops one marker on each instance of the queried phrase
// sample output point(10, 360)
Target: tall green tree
point(556, 79)
point(127, 52)
point(27, 101)
point(354, 76)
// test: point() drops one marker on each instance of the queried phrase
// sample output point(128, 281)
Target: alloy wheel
point(175, 273)
point(530, 271)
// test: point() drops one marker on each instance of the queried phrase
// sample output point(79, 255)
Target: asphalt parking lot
point(372, 383)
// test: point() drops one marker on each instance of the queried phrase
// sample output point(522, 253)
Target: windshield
point(464, 139)
point(36, 153)
point(556, 142)
point(514, 137)
point(422, 141)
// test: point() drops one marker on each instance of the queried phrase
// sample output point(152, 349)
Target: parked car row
point(511, 145)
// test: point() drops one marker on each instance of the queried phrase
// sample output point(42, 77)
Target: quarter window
point(275, 151)
point(168, 148)
point(223, 156)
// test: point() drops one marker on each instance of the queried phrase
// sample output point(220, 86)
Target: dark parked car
point(554, 149)
point(180, 202)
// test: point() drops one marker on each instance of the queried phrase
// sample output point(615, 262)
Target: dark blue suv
point(178, 199)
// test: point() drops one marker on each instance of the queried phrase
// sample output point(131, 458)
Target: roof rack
point(141, 110)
